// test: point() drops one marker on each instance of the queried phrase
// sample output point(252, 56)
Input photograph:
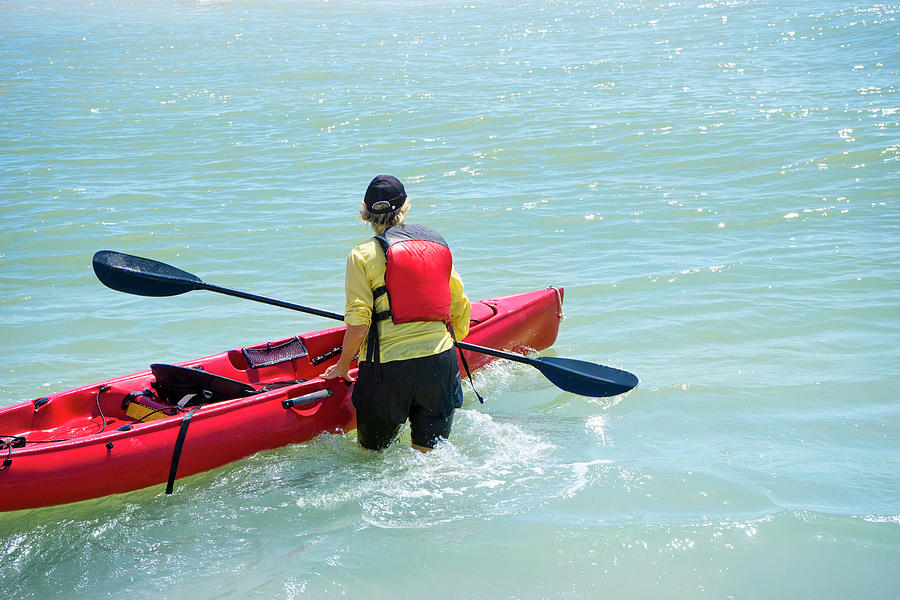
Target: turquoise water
point(714, 183)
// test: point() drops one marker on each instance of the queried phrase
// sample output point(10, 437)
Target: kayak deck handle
point(306, 399)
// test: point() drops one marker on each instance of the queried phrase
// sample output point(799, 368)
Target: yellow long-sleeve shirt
point(365, 272)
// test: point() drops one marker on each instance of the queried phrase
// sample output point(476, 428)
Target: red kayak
point(154, 427)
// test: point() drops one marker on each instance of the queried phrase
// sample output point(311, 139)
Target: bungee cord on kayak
point(8, 442)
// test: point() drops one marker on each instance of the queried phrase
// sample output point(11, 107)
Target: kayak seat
point(183, 386)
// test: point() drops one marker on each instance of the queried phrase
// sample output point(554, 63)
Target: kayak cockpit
point(166, 390)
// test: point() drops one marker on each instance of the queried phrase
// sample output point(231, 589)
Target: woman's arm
point(353, 339)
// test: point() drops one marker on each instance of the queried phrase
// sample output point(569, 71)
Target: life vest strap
point(465, 363)
point(373, 346)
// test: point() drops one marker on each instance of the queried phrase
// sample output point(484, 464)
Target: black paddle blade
point(142, 276)
point(585, 378)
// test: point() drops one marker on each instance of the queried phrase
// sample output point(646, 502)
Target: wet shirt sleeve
point(459, 306)
point(358, 291)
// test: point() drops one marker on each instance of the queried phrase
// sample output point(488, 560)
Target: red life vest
point(417, 279)
point(417, 274)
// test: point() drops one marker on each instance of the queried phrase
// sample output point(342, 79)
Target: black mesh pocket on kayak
point(272, 355)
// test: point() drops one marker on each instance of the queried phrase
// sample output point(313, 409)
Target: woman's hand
point(353, 339)
point(338, 370)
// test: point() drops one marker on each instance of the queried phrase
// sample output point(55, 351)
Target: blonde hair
point(381, 222)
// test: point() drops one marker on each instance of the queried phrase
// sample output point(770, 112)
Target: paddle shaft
point(338, 317)
point(498, 353)
point(274, 302)
point(580, 377)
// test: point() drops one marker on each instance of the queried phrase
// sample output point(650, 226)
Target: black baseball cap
point(385, 194)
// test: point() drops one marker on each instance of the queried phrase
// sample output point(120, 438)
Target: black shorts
point(424, 390)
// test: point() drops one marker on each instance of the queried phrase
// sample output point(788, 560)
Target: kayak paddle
point(571, 375)
point(146, 277)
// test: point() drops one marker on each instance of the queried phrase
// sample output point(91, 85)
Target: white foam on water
point(488, 468)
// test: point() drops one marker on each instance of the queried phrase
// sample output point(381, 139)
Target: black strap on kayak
point(176, 453)
point(462, 357)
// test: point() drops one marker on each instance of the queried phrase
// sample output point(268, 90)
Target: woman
point(405, 304)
